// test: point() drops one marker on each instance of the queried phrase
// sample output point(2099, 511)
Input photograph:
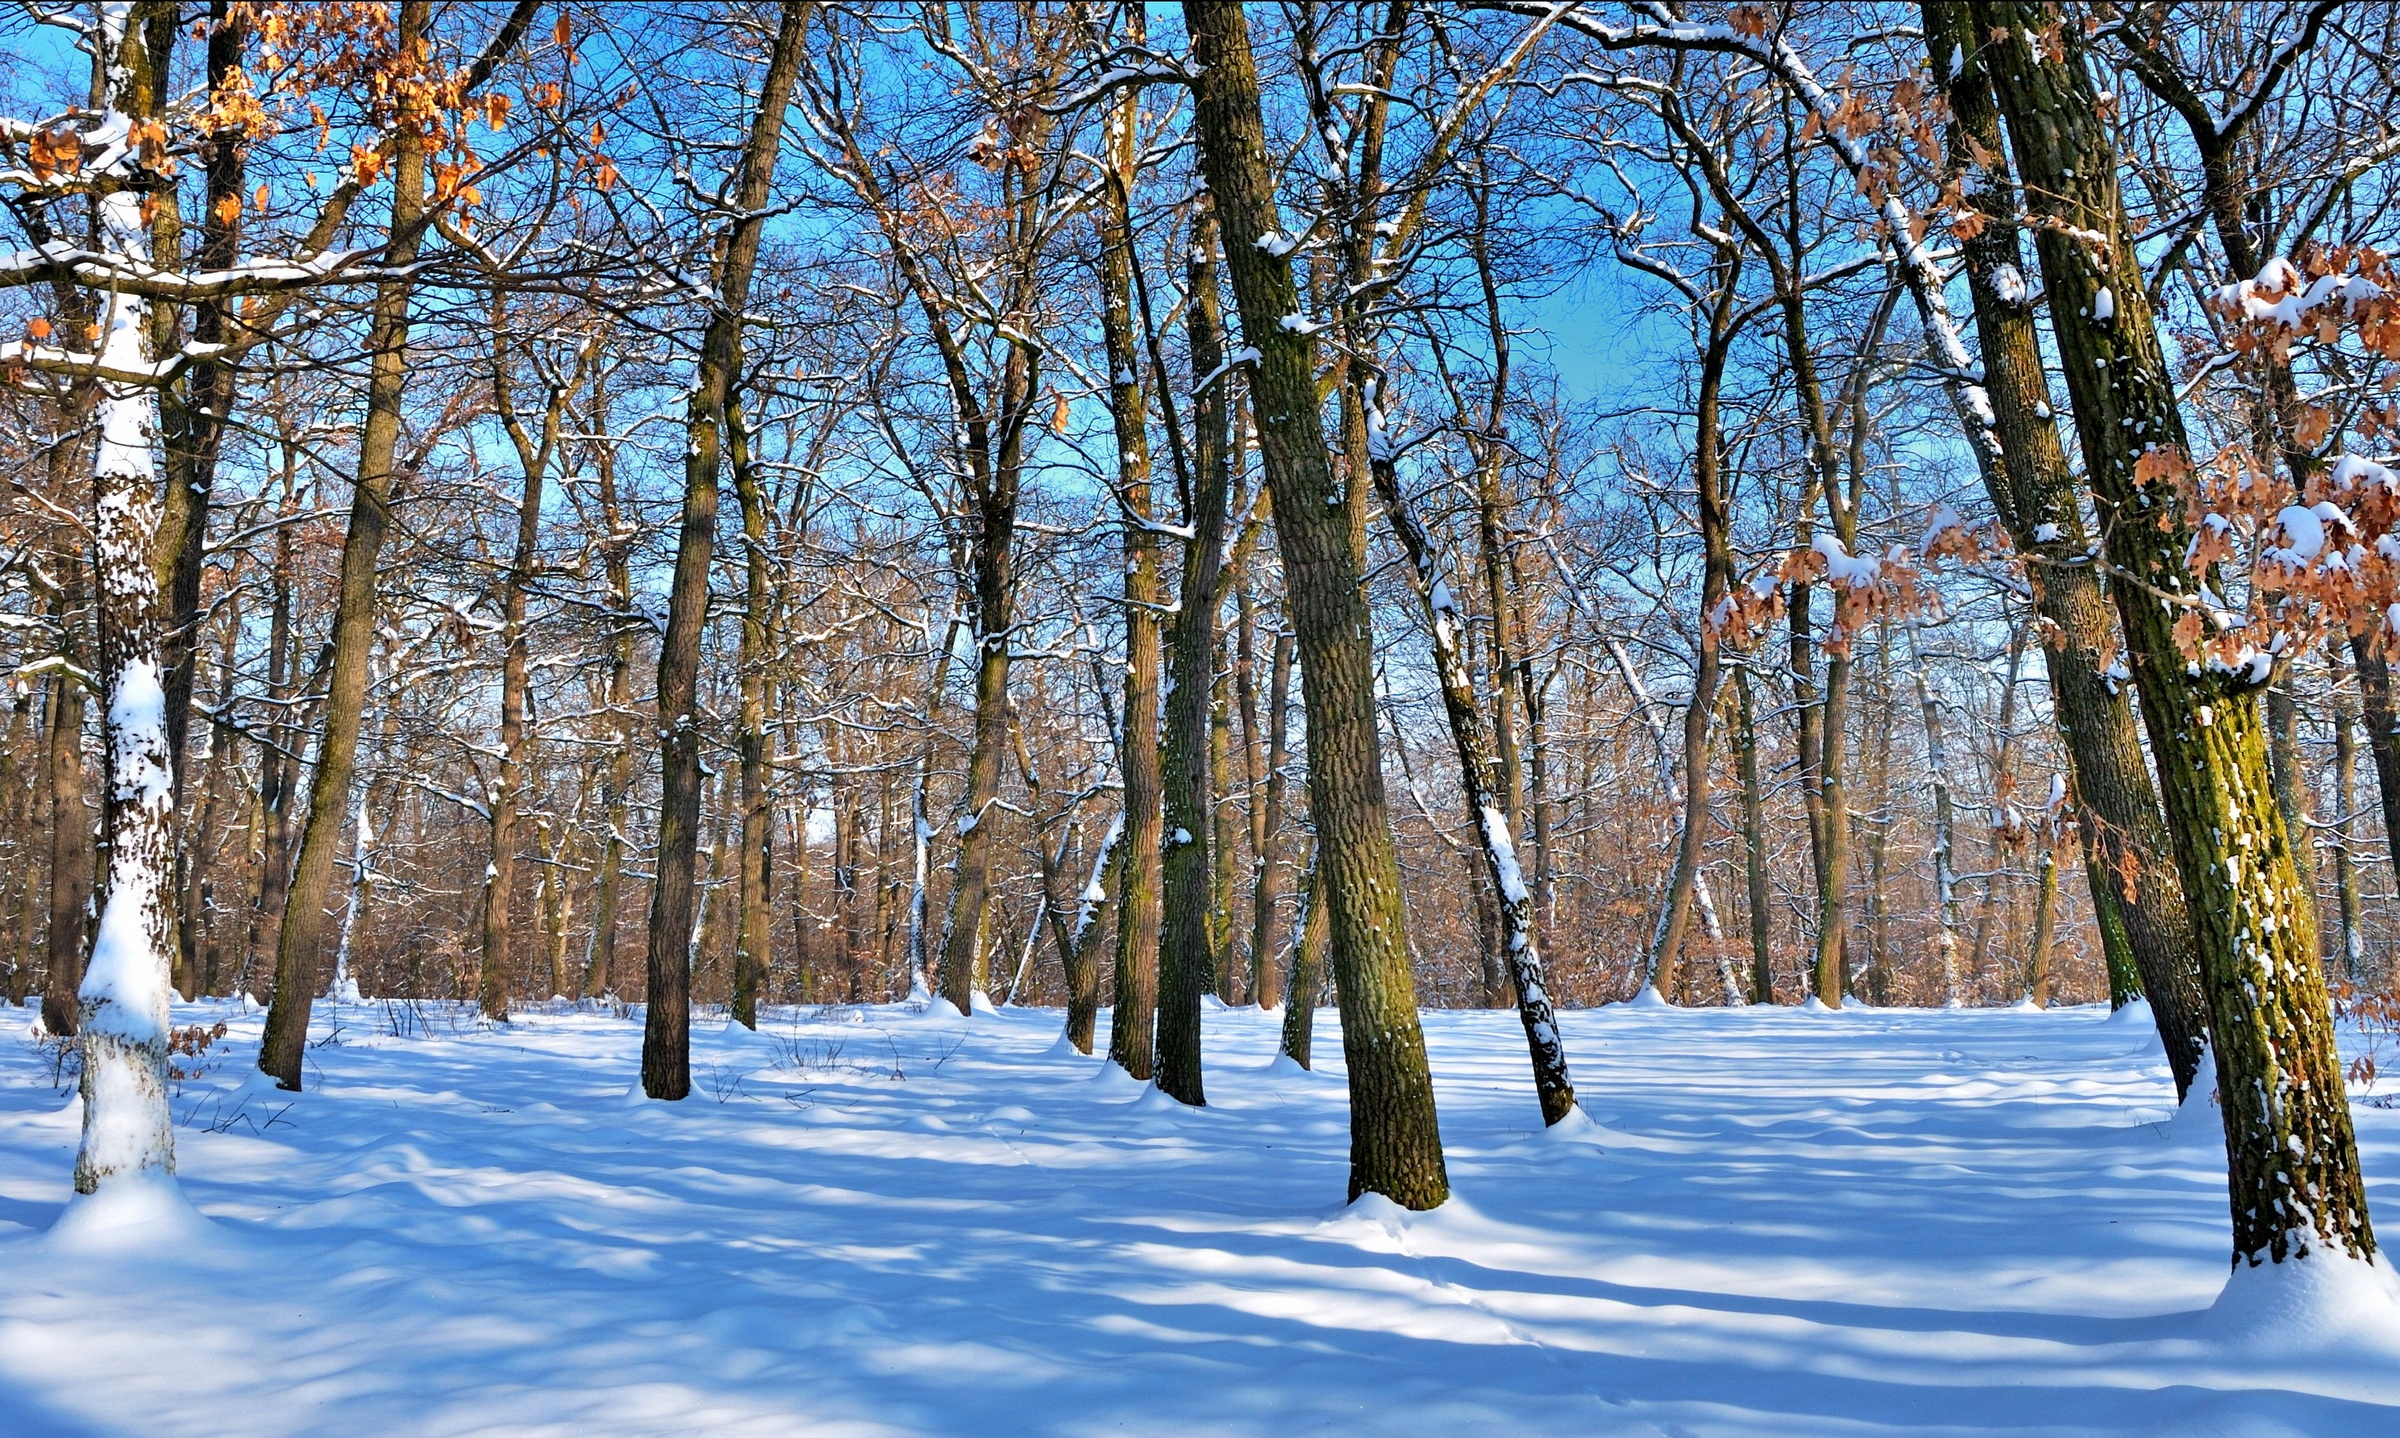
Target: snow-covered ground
point(870, 1222)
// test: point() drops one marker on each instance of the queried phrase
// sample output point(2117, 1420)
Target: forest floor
point(868, 1222)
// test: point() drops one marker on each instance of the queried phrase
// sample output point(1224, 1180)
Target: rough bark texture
point(2033, 491)
point(666, 1029)
point(1395, 1136)
point(2293, 1179)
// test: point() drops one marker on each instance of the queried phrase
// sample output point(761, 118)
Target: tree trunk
point(616, 765)
point(1754, 847)
point(2025, 474)
point(1266, 869)
point(1716, 537)
point(500, 871)
point(2045, 905)
point(1075, 951)
point(755, 865)
point(1188, 952)
point(1395, 1134)
point(667, 1017)
point(121, 1019)
point(1307, 976)
point(1133, 1026)
point(2293, 1180)
point(2345, 869)
point(70, 851)
point(299, 939)
point(1945, 828)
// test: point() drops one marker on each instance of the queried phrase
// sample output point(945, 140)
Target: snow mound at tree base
point(2327, 1309)
point(134, 1213)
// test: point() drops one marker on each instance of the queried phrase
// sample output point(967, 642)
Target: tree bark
point(666, 1029)
point(70, 850)
point(1395, 1134)
point(1754, 846)
point(1266, 872)
point(1307, 974)
point(2026, 475)
point(299, 938)
point(2294, 1181)
point(1188, 950)
point(755, 864)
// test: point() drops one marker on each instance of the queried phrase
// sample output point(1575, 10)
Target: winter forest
point(1071, 716)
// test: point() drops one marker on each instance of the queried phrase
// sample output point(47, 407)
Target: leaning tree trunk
point(1395, 1133)
point(2025, 473)
point(300, 940)
point(2293, 1175)
point(1188, 953)
point(1075, 954)
point(1519, 948)
point(1306, 975)
point(667, 1018)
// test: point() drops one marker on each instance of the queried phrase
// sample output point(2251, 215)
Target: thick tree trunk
point(2025, 474)
point(1395, 1134)
point(666, 1031)
point(122, 1000)
point(2294, 1181)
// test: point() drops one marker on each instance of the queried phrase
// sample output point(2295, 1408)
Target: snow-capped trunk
point(123, 1000)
